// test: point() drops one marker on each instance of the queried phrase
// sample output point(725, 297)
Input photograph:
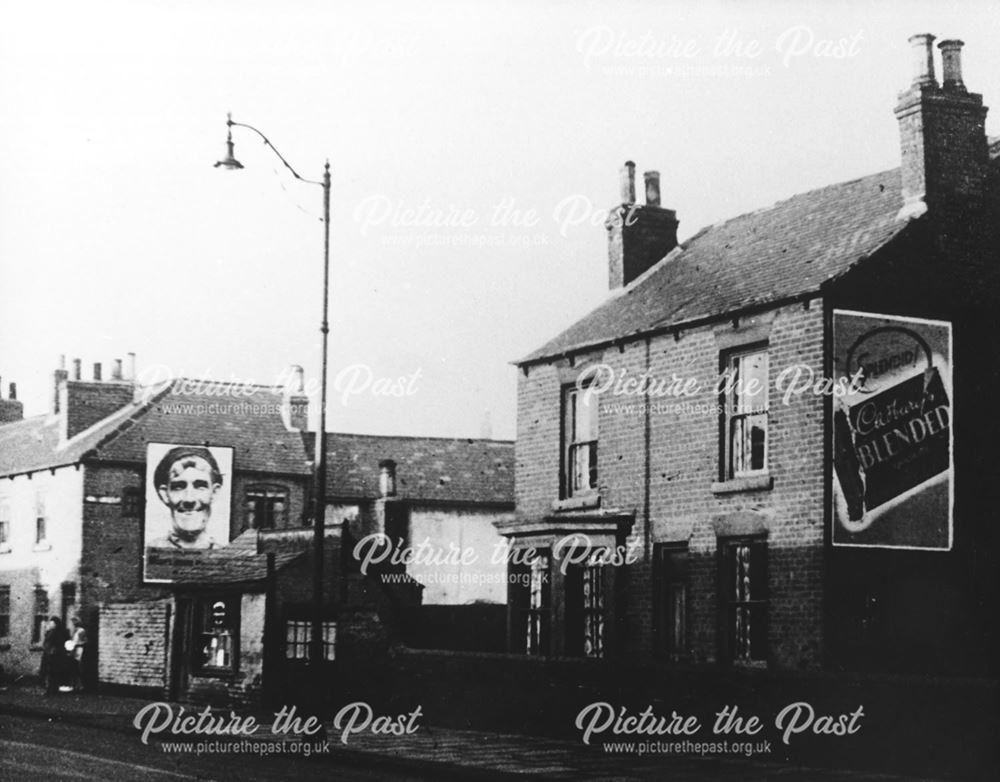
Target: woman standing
point(78, 654)
point(54, 655)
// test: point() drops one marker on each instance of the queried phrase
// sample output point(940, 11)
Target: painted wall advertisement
point(893, 459)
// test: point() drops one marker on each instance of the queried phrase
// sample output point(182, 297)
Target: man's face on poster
point(189, 492)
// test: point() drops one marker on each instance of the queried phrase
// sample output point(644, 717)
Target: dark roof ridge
point(412, 437)
point(239, 383)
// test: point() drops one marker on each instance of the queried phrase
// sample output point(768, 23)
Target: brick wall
point(133, 643)
point(89, 402)
point(683, 464)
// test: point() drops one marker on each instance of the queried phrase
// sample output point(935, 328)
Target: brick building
point(765, 448)
point(74, 492)
point(438, 499)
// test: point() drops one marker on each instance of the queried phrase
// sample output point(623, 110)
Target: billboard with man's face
point(892, 432)
point(188, 505)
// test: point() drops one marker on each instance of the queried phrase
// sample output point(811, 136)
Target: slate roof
point(782, 251)
point(249, 421)
point(428, 469)
point(238, 562)
point(33, 443)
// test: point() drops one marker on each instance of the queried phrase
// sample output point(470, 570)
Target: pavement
point(444, 753)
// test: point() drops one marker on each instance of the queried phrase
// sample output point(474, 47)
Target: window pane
point(585, 416)
point(746, 595)
point(746, 411)
point(751, 390)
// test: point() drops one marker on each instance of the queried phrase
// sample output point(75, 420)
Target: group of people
point(64, 656)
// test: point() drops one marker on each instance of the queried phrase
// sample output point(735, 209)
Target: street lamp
point(319, 488)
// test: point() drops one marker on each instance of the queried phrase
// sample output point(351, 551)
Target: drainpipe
point(647, 426)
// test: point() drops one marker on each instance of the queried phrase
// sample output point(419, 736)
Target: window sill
point(750, 483)
point(219, 673)
point(42, 547)
point(753, 665)
point(579, 502)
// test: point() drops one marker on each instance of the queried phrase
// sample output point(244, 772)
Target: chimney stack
point(131, 367)
point(83, 403)
point(59, 378)
point(116, 369)
point(942, 130)
point(10, 408)
point(296, 403)
point(387, 478)
point(639, 235)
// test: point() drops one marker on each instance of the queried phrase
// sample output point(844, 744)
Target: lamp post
point(319, 477)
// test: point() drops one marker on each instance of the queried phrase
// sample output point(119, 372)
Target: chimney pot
point(131, 366)
point(628, 182)
point(652, 188)
point(923, 59)
point(298, 379)
point(62, 361)
point(77, 368)
point(13, 391)
point(116, 370)
point(951, 64)
point(97, 371)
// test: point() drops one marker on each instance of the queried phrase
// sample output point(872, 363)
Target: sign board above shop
point(893, 449)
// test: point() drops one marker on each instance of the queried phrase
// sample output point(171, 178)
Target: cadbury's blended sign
point(892, 434)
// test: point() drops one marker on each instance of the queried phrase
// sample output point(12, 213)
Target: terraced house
point(770, 446)
point(78, 512)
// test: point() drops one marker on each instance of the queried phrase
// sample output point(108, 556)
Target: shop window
point(217, 630)
point(266, 507)
point(41, 615)
point(530, 596)
point(585, 598)
point(297, 635)
point(579, 447)
point(743, 593)
point(745, 413)
point(670, 578)
point(4, 610)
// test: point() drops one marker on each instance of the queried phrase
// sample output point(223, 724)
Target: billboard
point(188, 506)
point(893, 451)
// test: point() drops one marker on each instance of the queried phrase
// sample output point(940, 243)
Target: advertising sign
point(188, 505)
point(892, 432)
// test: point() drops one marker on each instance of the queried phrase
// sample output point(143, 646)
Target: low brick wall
point(911, 724)
point(133, 644)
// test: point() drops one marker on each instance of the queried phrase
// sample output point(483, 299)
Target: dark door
point(180, 673)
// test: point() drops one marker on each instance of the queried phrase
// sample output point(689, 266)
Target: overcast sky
point(473, 148)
